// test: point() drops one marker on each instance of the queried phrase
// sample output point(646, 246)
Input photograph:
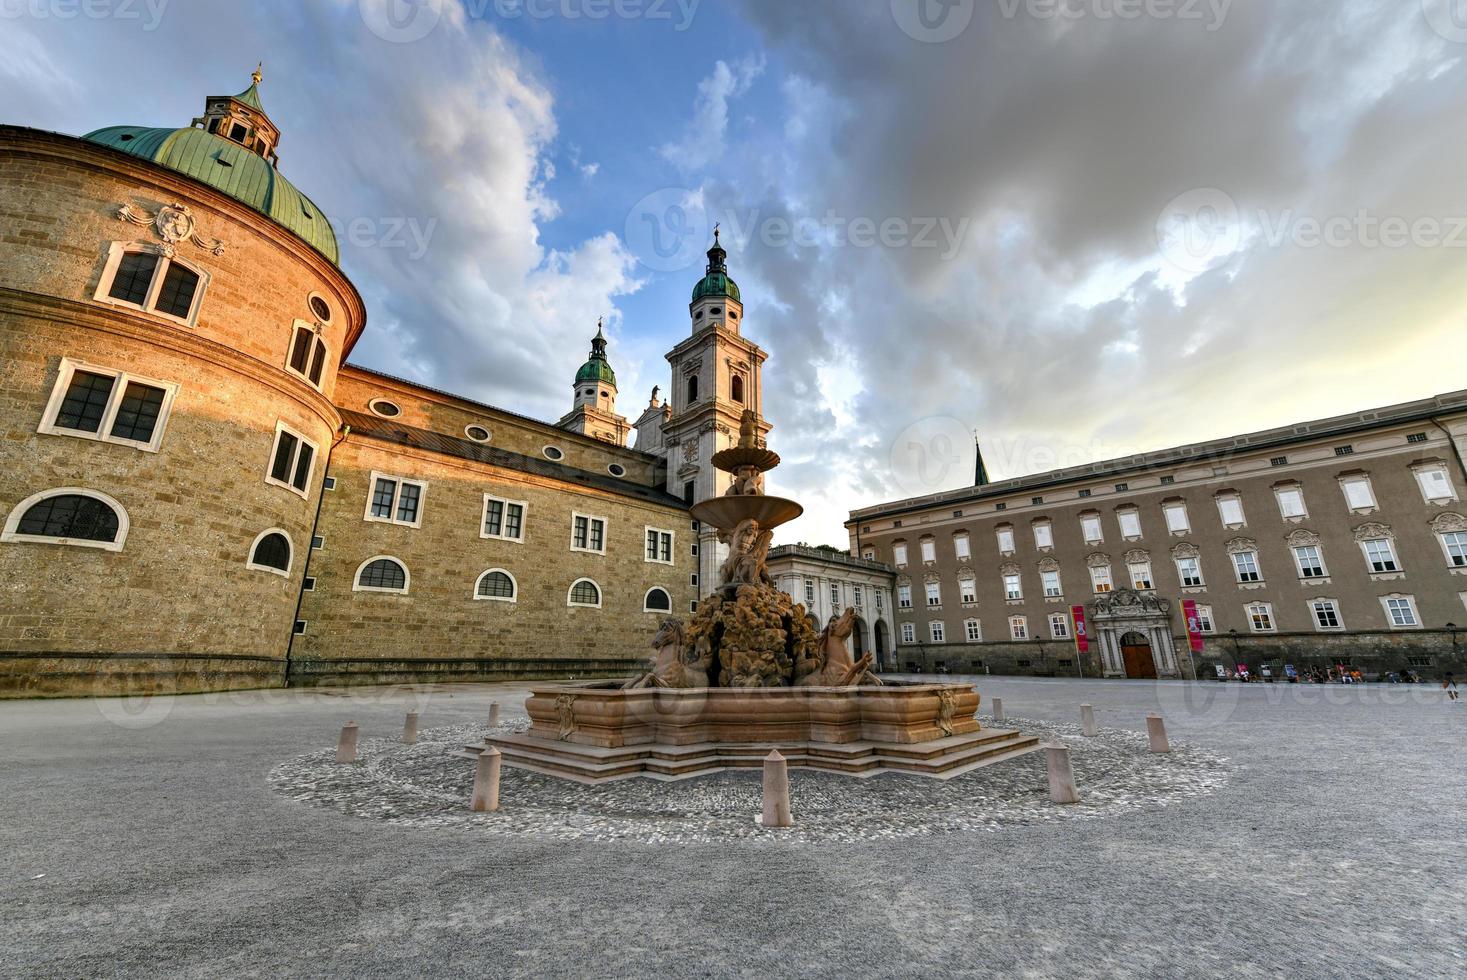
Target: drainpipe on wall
point(1457, 453)
point(300, 597)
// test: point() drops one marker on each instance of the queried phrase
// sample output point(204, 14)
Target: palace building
point(1339, 542)
point(199, 492)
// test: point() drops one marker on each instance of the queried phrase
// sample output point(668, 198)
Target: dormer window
point(238, 132)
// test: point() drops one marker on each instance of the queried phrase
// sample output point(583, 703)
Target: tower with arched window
point(593, 406)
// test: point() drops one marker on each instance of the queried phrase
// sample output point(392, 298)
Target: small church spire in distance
point(259, 73)
point(980, 472)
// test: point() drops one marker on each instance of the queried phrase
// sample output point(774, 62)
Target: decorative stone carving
point(1238, 546)
point(1373, 530)
point(691, 366)
point(947, 704)
point(1130, 603)
point(1302, 538)
point(1137, 555)
point(748, 552)
point(1049, 565)
point(1448, 523)
point(840, 668)
point(932, 578)
point(903, 580)
point(1097, 560)
point(1186, 549)
point(566, 716)
point(690, 451)
point(1009, 568)
point(174, 224)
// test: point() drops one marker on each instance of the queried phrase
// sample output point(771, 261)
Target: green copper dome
point(716, 281)
point(228, 167)
point(598, 368)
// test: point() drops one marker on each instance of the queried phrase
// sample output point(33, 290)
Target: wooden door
point(1136, 653)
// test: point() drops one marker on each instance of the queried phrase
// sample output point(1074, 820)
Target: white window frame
point(1410, 601)
point(1133, 515)
point(927, 548)
point(407, 577)
point(1057, 590)
point(318, 336)
point(1018, 628)
point(933, 593)
point(1097, 573)
point(1176, 506)
point(484, 518)
point(671, 549)
point(1267, 607)
point(909, 633)
point(968, 590)
point(1370, 562)
point(10, 535)
point(590, 522)
point(1013, 587)
point(1421, 471)
point(514, 584)
point(1062, 620)
point(1004, 537)
point(600, 594)
point(835, 597)
point(1150, 575)
point(809, 593)
point(1334, 606)
point(398, 482)
point(657, 588)
point(1293, 490)
point(973, 630)
point(1046, 539)
point(68, 368)
point(1239, 558)
point(1447, 548)
point(115, 252)
point(1205, 622)
point(1086, 524)
point(301, 440)
point(1201, 582)
point(937, 631)
point(899, 555)
point(904, 597)
point(962, 546)
point(1299, 562)
point(289, 547)
point(1231, 498)
point(1359, 479)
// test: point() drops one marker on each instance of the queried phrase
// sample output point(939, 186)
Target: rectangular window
point(973, 630)
point(1402, 612)
point(856, 597)
point(968, 588)
point(307, 356)
point(1204, 619)
point(1141, 576)
point(1189, 570)
point(1434, 484)
point(1230, 509)
point(291, 460)
point(1358, 493)
point(1380, 555)
point(588, 533)
point(1059, 626)
point(1100, 579)
point(1455, 543)
point(1019, 628)
point(934, 594)
point(810, 594)
point(1005, 541)
point(960, 547)
point(1130, 524)
point(1310, 561)
point(909, 633)
point(394, 500)
point(1291, 502)
point(938, 632)
point(108, 406)
point(503, 519)
point(659, 546)
point(835, 596)
point(1326, 614)
point(1052, 587)
point(1260, 617)
point(880, 601)
point(929, 550)
point(1176, 518)
point(151, 281)
point(1090, 528)
point(1245, 564)
point(899, 555)
point(1013, 588)
point(176, 297)
point(1043, 535)
point(904, 597)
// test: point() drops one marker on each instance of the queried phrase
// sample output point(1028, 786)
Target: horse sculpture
point(673, 665)
point(840, 668)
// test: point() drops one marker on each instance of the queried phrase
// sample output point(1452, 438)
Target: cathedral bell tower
point(715, 378)
point(593, 405)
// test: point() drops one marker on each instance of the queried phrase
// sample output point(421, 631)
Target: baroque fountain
point(749, 672)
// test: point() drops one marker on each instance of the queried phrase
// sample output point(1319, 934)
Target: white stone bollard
point(998, 709)
point(410, 729)
point(346, 748)
point(1087, 721)
point(486, 781)
point(776, 792)
point(1156, 728)
point(1061, 775)
point(493, 714)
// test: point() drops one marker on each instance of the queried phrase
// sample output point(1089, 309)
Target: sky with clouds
point(1082, 228)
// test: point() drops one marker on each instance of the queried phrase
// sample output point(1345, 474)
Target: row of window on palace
point(1358, 491)
point(1400, 613)
point(858, 596)
point(1376, 542)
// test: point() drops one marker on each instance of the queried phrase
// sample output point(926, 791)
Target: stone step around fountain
point(941, 758)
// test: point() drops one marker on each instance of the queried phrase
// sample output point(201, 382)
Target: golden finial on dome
point(259, 73)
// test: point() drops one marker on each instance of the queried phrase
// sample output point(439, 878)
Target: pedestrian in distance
point(1449, 684)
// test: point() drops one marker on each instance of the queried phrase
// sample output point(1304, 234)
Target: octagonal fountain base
point(596, 733)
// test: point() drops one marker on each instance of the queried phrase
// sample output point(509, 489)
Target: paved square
point(149, 838)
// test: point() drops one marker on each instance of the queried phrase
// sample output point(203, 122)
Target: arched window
point(585, 592)
point(736, 389)
point(496, 584)
point(271, 552)
point(692, 389)
point(381, 574)
point(657, 600)
point(68, 516)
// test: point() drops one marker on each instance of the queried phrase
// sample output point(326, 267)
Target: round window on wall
point(616, 469)
point(477, 433)
point(384, 408)
point(553, 452)
point(321, 308)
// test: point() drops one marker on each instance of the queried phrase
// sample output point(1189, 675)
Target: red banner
point(1194, 625)
point(1082, 634)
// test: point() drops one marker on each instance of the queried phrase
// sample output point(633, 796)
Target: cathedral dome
point(597, 368)
point(243, 170)
point(716, 282)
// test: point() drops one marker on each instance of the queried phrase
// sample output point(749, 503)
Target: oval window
point(321, 308)
point(616, 469)
point(384, 408)
point(477, 433)
point(553, 452)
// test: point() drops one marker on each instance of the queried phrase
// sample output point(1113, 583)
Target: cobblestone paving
point(427, 784)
